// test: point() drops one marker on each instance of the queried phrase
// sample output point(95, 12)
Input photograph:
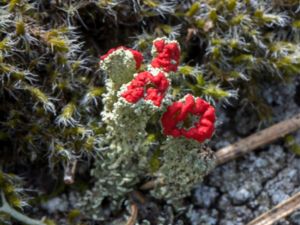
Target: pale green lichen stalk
point(184, 164)
point(120, 65)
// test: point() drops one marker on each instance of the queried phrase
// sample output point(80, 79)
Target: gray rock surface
point(243, 189)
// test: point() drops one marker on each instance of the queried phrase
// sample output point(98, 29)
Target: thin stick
point(134, 213)
point(258, 139)
point(151, 184)
point(278, 212)
point(70, 170)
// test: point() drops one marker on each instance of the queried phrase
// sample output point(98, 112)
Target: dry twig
point(278, 212)
point(134, 213)
point(151, 184)
point(258, 139)
point(70, 170)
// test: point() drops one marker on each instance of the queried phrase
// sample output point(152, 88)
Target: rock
point(55, 205)
point(200, 217)
point(239, 196)
point(205, 196)
point(295, 218)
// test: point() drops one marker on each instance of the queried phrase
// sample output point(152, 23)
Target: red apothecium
point(177, 113)
point(167, 55)
point(147, 86)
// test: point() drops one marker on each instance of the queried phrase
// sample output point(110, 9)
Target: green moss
point(296, 24)
point(292, 144)
point(20, 28)
point(73, 215)
point(154, 161)
point(231, 4)
point(193, 9)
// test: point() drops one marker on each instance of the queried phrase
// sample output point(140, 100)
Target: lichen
point(129, 157)
point(184, 164)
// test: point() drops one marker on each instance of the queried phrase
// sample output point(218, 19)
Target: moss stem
point(6, 208)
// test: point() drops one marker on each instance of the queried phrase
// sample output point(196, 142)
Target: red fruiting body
point(178, 112)
point(147, 86)
point(168, 55)
point(138, 57)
